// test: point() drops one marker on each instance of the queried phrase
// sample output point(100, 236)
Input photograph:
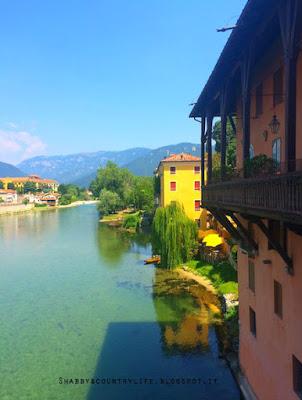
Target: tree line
point(117, 189)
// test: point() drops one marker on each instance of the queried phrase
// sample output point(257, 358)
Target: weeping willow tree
point(174, 235)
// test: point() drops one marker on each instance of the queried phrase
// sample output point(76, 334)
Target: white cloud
point(16, 146)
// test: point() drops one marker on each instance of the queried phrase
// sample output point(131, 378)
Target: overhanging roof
point(251, 18)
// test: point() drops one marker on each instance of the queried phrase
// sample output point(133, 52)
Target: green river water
point(78, 303)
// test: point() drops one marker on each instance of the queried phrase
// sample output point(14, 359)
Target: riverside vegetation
point(118, 189)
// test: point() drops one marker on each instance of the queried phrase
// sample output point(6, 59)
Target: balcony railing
point(278, 196)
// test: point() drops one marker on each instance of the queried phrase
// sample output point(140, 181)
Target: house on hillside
point(257, 86)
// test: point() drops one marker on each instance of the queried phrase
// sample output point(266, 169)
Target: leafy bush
point(133, 191)
point(25, 201)
point(109, 203)
point(132, 221)
point(260, 165)
point(38, 205)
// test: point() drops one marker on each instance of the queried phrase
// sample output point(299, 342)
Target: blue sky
point(94, 75)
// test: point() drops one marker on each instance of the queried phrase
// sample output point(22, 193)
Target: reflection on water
point(118, 242)
point(35, 223)
point(76, 301)
point(185, 312)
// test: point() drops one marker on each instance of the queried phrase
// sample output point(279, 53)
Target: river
point(78, 303)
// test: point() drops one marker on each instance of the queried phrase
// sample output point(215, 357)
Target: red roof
point(8, 191)
point(31, 178)
point(180, 157)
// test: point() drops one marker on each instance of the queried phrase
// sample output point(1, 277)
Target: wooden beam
point(223, 114)
point(288, 11)
point(233, 231)
point(276, 246)
point(252, 244)
point(233, 125)
point(246, 99)
point(209, 145)
point(203, 129)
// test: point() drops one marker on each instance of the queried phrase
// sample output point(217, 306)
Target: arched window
point(277, 150)
point(252, 151)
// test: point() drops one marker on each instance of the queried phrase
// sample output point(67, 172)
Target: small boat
point(152, 260)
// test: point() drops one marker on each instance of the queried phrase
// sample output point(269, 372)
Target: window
point(278, 87)
point(259, 100)
point(278, 299)
point(197, 185)
point(253, 322)
point(297, 377)
point(277, 150)
point(197, 169)
point(197, 205)
point(172, 170)
point(252, 151)
point(278, 233)
point(173, 186)
point(252, 276)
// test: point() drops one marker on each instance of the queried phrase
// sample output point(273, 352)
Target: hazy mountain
point(9, 170)
point(81, 168)
point(70, 168)
point(146, 164)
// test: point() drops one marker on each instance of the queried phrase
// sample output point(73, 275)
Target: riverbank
point(77, 203)
point(209, 277)
point(22, 208)
point(15, 208)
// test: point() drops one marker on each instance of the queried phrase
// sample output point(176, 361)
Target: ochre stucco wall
point(185, 192)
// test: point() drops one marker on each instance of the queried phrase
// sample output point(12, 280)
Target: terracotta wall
point(267, 358)
point(263, 72)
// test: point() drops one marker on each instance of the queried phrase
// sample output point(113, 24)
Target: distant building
point(180, 180)
point(50, 199)
point(40, 183)
point(8, 196)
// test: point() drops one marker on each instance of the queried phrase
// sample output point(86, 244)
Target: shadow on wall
point(135, 350)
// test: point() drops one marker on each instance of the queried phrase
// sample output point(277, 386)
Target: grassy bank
point(222, 275)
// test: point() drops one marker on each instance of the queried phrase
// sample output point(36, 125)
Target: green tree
point(30, 187)
point(143, 193)
point(70, 193)
point(231, 142)
point(116, 180)
point(174, 235)
point(133, 191)
point(11, 186)
point(109, 203)
point(1, 185)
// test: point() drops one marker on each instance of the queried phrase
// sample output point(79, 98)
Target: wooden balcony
point(276, 197)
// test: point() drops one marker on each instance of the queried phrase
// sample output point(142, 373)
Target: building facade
point(180, 180)
point(40, 183)
point(8, 196)
point(257, 86)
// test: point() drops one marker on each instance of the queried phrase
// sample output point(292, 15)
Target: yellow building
point(19, 182)
point(180, 180)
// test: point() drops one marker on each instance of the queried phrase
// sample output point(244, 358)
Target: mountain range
point(9, 170)
point(81, 168)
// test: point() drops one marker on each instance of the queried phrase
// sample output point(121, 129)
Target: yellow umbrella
point(212, 240)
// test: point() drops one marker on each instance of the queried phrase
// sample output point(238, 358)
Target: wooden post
point(203, 130)
point(223, 115)
point(246, 101)
point(209, 145)
point(288, 11)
